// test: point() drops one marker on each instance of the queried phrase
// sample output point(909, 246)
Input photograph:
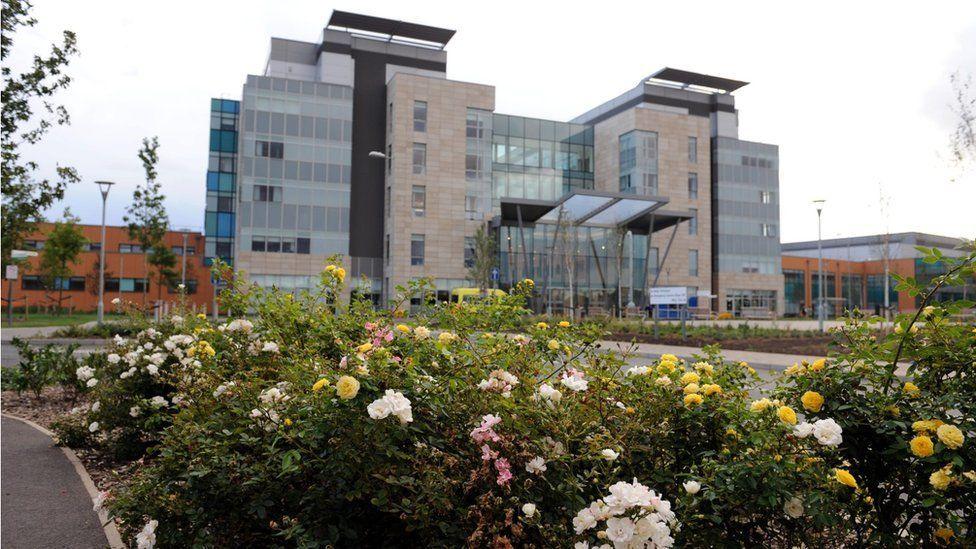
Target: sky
point(856, 94)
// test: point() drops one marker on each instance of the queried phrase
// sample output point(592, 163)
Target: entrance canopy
point(588, 208)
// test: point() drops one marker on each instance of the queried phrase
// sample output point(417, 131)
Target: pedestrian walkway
point(45, 503)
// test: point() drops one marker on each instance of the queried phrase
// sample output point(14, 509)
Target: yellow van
point(458, 295)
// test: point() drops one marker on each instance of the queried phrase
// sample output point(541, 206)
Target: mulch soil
point(807, 345)
point(53, 404)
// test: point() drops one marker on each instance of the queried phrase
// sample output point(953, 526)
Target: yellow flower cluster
point(446, 337)
point(818, 365)
point(911, 390)
point(846, 478)
point(542, 326)
point(711, 389)
point(704, 367)
point(940, 479)
point(690, 377)
point(202, 348)
point(795, 369)
point(553, 345)
point(564, 324)
point(926, 425)
point(812, 401)
point(763, 404)
point(922, 446)
point(347, 387)
point(337, 272)
point(691, 388)
point(693, 399)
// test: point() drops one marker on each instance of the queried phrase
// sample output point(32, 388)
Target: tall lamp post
point(819, 204)
point(103, 187)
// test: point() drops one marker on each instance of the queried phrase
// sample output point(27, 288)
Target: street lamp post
point(819, 204)
point(183, 259)
point(103, 187)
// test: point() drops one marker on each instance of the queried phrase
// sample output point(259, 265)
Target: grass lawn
point(39, 320)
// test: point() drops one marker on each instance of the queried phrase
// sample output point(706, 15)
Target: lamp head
point(104, 186)
point(819, 204)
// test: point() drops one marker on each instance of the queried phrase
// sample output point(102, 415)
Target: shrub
point(43, 366)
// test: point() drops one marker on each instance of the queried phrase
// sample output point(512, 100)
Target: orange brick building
point(125, 272)
point(854, 273)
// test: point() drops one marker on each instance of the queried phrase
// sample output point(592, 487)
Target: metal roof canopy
point(390, 27)
point(698, 79)
point(594, 209)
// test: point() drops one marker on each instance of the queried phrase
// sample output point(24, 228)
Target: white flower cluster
point(536, 465)
point(237, 325)
point(573, 379)
point(634, 515)
point(273, 395)
point(392, 403)
point(499, 381)
point(550, 394)
point(638, 371)
point(86, 374)
point(146, 538)
point(257, 347)
point(826, 431)
point(223, 388)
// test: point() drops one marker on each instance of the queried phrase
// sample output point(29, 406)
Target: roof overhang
point(727, 85)
point(594, 209)
point(390, 27)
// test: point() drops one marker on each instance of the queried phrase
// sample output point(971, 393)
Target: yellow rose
point(542, 326)
point(693, 400)
point(669, 358)
point(812, 401)
point(911, 390)
point(950, 435)
point(818, 365)
point(743, 364)
point(893, 410)
point(364, 348)
point(922, 446)
point(691, 388)
point(705, 367)
point(347, 387)
point(922, 426)
point(201, 316)
point(288, 422)
point(666, 366)
point(690, 377)
point(940, 479)
point(712, 389)
point(795, 369)
point(944, 534)
point(528, 281)
point(403, 328)
point(553, 345)
point(320, 384)
point(786, 415)
point(564, 323)
point(760, 405)
point(845, 478)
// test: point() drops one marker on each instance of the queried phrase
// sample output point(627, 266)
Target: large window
point(471, 206)
point(419, 158)
point(693, 222)
point(126, 285)
point(284, 245)
point(418, 200)
point(692, 149)
point(178, 250)
point(768, 229)
point(794, 291)
point(416, 249)
point(72, 284)
point(468, 252)
point(638, 162)
point(692, 262)
point(130, 249)
point(270, 149)
point(267, 193)
point(765, 197)
point(693, 185)
point(420, 116)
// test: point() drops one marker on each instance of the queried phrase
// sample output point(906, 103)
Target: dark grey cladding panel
point(293, 51)
point(391, 59)
point(695, 108)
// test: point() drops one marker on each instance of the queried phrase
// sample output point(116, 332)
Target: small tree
point(61, 250)
point(485, 259)
point(963, 142)
point(147, 219)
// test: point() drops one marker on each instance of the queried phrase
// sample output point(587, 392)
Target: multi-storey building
point(126, 275)
point(360, 145)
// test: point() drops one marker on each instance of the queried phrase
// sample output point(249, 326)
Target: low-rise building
point(126, 274)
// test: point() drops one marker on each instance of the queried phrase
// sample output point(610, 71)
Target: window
point(468, 252)
point(270, 149)
point(768, 229)
point(257, 244)
point(191, 287)
point(693, 222)
point(765, 197)
point(692, 262)
point(416, 249)
point(389, 158)
point(33, 244)
point(693, 150)
point(130, 249)
point(287, 245)
point(386, 249)
point(304, 245)
point(178, 250)
point(267, 193)
point(386, 203)
point(92, 247)
point(420, 116)
point(692, 185)
point(72, 284)
point(418, 200)
point(419, 158)
point(471, 206)
point(272, 245)
point(126, 285)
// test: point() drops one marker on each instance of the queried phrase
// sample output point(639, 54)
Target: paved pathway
point(45, 504)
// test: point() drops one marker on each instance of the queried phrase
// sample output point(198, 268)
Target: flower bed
point(311, 423)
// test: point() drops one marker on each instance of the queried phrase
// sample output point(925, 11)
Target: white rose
point(135, 411)
point(794, 507)
point(92, 382)
point(692, 486)
point(114, 358)
point(827, 432)
point(96, 406)
point(379, 409)
point(152, 369)
point(529, 509)
point(803, 430)
point(146, 538)
point(609, 454)
point(536, 465)
point(620, 529)
point(116, 301)
point(93, 427)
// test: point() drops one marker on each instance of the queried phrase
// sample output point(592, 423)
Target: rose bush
point(307, 422)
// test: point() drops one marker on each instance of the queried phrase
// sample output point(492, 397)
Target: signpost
point(670, 295)
point(494, 276)
point(11, 273)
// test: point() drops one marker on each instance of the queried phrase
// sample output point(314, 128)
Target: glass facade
point(638, 163)
point(219, 226)
point(794, 292)
point(295, 155)
point(539, 159)
point(852, 290)
point(875, 292)
point(745, 199)
point(477, 164)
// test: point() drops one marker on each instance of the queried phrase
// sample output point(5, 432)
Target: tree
point(963, 142)
point(61, 249)
point(147, 219)
point(25, 197)
point(485, 259)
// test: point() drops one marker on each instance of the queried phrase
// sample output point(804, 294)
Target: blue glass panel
point(212, 181)
point(226, 182)
point(228, 141)
point(215, 105)
point(210, 224)
point(230, 106)
point(214, 140)
point(225, 224)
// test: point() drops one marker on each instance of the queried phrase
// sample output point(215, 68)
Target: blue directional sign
point(494, 273)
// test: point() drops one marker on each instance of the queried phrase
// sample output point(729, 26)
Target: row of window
point(39, 245)
point(275, 168)
point(78, 283)
point(298, 125)
point(284, 245)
